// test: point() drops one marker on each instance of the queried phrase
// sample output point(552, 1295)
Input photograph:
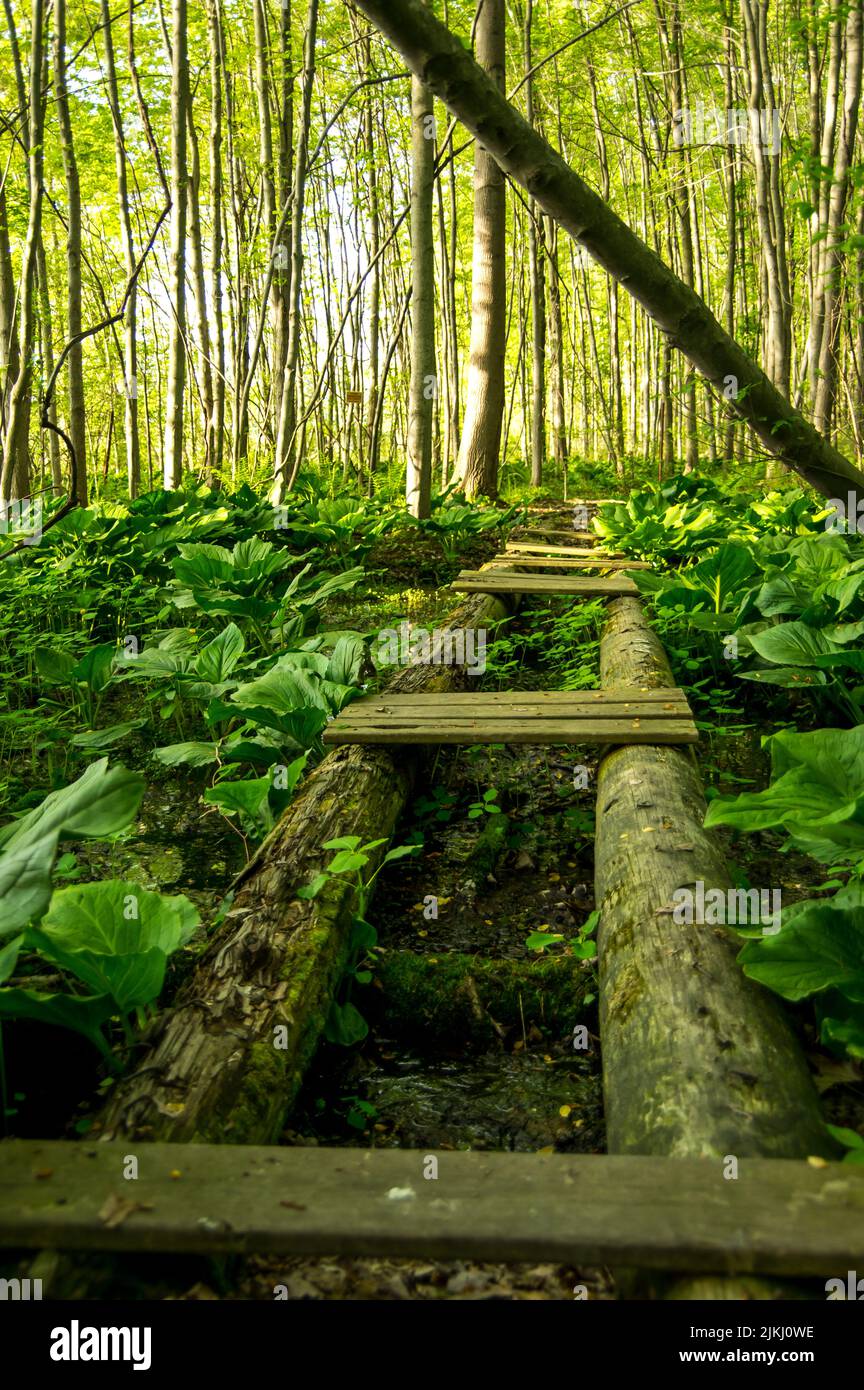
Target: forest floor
point(466, 1050)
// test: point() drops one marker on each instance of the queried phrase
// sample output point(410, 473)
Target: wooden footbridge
point(696, 1061)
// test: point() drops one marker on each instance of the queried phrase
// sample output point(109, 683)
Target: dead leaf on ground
point(114, 1210)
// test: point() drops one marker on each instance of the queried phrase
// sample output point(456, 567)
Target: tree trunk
point(442, 61)
point(423, 387)
point(833, 254)
point(74, 324)
point(196, 259)
point(484, 407)
point(374, 318)
point(174, 404)
point(287, 454)
point(18, 397)
point(536, 264)
point(130, 322)
point(697, 1060)
point(216, 423)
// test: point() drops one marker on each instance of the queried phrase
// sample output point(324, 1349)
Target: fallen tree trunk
point(697, 1060)
point(448, 69)
point(212, 1071)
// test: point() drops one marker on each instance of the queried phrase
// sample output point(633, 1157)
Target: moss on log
point(474, 1001)
point(212, 1070)
point(697, 1059)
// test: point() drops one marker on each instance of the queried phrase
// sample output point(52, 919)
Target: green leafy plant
point(111, 940)
point(583, 946)
point(486, 806)
point(345, 1024)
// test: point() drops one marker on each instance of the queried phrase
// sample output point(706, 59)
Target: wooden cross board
point(492, 582)
point(511, 716)
point(572, 535)
point(540, 548)
point(782, 1216)
point(599, 562)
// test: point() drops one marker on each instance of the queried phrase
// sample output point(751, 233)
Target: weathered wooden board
point(541, 717)
point(597, 562)
point(539, 731)
point(589, 702)
point(776, 1218)
point(543, 531)
point(607, 586)
point(567, 551)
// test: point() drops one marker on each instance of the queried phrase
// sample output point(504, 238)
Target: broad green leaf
point(119, 917)
point(791, 644)
point(346, 862)
point(54, 666)
point(311, 890)
point(822, 948)
point(104, 738)
point(9, 957)
point(217, 660)
point(345, 663)
point(82, 1015)
point(816, 793)
point(193, 754)
point(102, 801)
point(25, 882)
point(95, 669)
point(345, 1025)
point(246, 798)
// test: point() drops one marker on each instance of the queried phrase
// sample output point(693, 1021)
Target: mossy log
point(212, 1070)
point(473, 1001)
point(697, 1059)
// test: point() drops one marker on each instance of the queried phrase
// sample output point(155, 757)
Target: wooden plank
point(777, 1218)
point(542, 531)
point(541, 704)
point(539, 731)
point(599, 562)
point(620, 695)
point(473, 582)
point(540, 548)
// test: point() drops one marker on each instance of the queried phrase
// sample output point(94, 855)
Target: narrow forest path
point(476, 1045)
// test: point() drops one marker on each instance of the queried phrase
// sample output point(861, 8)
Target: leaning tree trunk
point(218, 1069)
point(484, 407)
point(449, 70)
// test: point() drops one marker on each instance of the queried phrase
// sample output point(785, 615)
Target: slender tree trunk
point(556, 349)
point(423, 386)
point(130, 323)
point(287, 454)
point(374, 315)
point(196, 256)
point(822, 180)
point(536, 262)
point(75, 360)
point(484, 408)
point(18, 398)
point(216, 423)
point(174, 404)
point(833, 253)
